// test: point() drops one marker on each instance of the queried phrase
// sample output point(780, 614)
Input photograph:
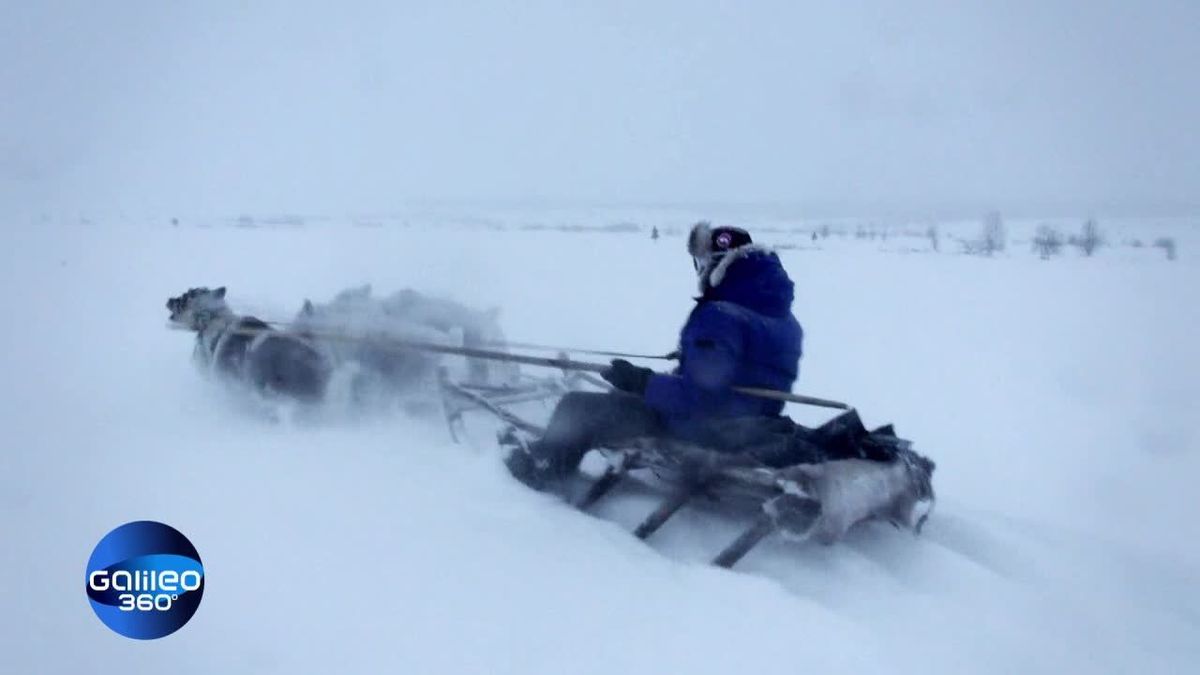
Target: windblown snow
point(1058, 397)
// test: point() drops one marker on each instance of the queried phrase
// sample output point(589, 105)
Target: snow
point(1058, 398)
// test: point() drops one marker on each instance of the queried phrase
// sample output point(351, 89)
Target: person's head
point(708, 245)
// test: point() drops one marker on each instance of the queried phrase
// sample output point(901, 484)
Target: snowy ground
point(1058, 398)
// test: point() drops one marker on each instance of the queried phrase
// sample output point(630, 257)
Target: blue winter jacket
point(740, 333)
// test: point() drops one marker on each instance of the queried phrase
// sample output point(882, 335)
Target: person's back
point(740, 334)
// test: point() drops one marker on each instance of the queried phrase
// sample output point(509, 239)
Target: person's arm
point(710, 356)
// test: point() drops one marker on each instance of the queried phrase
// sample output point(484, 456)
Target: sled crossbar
point(669, 507)
point(762, 527)
point(782, 504)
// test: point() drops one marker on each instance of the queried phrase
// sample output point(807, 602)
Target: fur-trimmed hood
point(714, 274)
point(751, 276)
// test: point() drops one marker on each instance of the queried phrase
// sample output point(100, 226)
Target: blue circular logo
point(145, 580)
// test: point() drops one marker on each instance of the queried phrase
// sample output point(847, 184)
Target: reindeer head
point(345, 306)
point(195, 308)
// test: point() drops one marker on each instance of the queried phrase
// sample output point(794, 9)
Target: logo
point(145, 580)
point(724, 239)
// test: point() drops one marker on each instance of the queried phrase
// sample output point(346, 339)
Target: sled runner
point(802, 483)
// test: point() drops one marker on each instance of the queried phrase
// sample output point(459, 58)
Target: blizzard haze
point(847, 108)
point(517, 157)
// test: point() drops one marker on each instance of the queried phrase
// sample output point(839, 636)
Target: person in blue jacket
point(741, 333)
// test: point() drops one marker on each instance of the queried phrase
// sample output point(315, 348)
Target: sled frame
point(782, 500)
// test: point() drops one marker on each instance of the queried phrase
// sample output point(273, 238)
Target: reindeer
point(365, 322)
point(248, 350)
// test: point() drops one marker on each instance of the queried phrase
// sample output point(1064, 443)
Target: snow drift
point(1057, 397)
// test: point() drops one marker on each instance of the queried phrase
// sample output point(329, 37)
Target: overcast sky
point(857, 107)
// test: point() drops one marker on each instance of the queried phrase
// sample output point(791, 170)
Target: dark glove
point(627, 377)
